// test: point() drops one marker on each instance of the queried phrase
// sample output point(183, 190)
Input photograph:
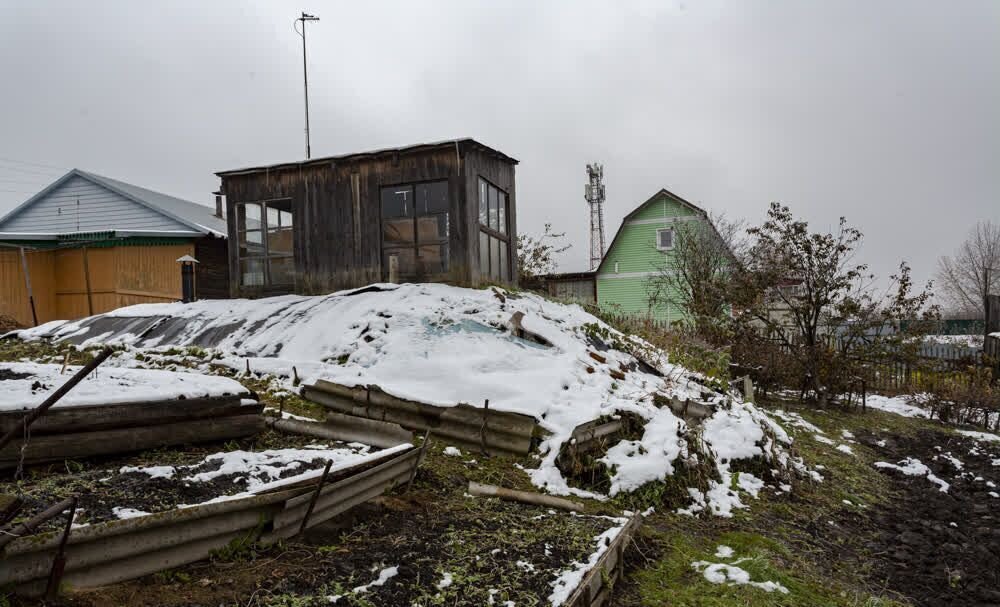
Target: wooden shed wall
point(212, 271)
point(501, 174)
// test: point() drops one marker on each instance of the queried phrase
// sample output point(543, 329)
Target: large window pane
point(434, 259)
point(494, 219)
point(405, 262)
point(252, 272)
point(504, 256)
point(397, 201)
point(484, 254)
point(495, 258)
point(501, 212)
point(432, 197)
point(484, 211)
point(432, 228)
point(279, 242)
point(248, 216)
point(281, 270)
point(397, 231)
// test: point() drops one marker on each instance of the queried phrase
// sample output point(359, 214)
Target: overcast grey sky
point(886, 112)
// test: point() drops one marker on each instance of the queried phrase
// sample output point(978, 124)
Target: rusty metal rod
point(59, 562)
point(315, 496)
point(54, 398)
point(9, 535)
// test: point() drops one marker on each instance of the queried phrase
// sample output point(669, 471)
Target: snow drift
point(445, 345)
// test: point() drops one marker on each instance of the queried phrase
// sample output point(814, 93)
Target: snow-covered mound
point(26, 385)
point(447, 345)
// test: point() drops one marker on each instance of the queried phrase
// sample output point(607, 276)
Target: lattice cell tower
point(594, 195)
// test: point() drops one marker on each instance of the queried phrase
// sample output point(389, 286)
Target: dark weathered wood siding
point(337, 213)
point(212, 270)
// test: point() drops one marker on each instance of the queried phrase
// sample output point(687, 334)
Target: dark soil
point(941, 548)
point(479, 542)
point(8, 374)
point(99, 486)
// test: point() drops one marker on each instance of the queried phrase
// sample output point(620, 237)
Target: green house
point(640, 253)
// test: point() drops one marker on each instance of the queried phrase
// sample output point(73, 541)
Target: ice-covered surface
point(914, 467)
point(446, 345)
point(106, 385)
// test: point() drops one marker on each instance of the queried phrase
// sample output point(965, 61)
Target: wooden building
point(87, 244)
point(575, 287)
point(437, 212)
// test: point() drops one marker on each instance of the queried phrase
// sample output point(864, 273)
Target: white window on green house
point(665, 239)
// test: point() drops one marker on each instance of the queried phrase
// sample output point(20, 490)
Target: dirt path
point(940, 547)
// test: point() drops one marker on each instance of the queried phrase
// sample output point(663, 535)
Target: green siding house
point(641, 249)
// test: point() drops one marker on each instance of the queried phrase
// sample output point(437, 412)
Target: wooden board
point(76, 445)
point(128, 415)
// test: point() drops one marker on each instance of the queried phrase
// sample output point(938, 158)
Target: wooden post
point(420, 459)
point(27, 284)
point(59, 562)
point(86, 278)
point(483, 428)
point(394, 268)
point(315, 497)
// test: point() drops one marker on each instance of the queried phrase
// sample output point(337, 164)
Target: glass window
point(484, 211)
point(492, 193)
point(415, 229)
point(501, 212)
point(504, 256)
point(495, 258)
point(484, 254)
point(665, 239)
point(432, 197)
point(397, 201)
point(397, 231)
point(265, 240)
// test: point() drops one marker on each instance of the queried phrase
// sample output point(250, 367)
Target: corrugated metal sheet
point(85, 202)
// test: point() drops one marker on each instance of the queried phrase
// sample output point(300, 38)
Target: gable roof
point(659, 194)
point(196, 219)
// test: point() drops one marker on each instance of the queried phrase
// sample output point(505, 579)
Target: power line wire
point(34, 164)
point(28, 172)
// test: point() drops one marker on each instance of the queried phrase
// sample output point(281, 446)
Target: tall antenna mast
point(305, 71)
point(594, 195)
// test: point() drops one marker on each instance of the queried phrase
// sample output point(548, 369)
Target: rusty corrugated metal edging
point(500, 432)
point(595, 588)
point(119, 550)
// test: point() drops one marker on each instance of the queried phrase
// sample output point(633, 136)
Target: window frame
point(504, 271)
point(265, 257)
point(417, 243)
point(658, 241)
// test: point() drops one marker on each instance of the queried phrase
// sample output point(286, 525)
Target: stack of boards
point(86, 430)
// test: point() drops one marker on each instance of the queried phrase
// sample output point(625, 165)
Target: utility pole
point(305, 72)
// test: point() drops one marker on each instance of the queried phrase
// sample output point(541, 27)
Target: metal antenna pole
point(305, 73)
point(594, 195)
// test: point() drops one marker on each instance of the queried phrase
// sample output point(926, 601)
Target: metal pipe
point(8, 536)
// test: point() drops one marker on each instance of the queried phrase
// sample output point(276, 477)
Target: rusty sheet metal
point(114, 551)
point(596, 586)
point(474, 428)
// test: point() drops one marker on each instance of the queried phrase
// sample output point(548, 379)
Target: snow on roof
point(26, 385)
point(446, 345)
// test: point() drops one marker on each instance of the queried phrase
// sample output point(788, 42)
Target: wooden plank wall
point(14, 293)
point(212, 271)
point(119, 276)
point(149, 274)
point(337, 214)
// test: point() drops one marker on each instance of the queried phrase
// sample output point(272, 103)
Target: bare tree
point(696, 276)
point(536, 255)
point(962, 278)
